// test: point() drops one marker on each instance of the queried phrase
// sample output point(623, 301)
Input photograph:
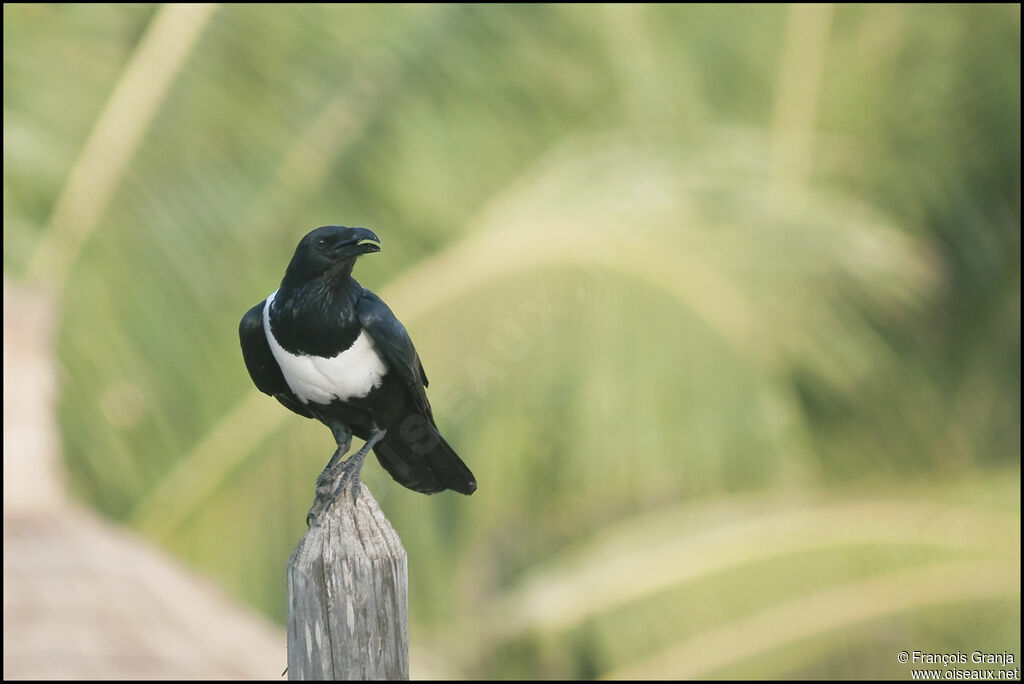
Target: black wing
point(262, 365)
point(416, 456)
point(393, 342)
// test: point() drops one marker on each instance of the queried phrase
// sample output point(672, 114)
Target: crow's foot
point(336, 476)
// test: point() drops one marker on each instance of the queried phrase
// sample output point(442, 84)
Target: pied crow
point(327, 348)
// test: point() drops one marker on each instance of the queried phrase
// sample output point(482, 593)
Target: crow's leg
point(325, 483)
point(351, 467)
point(343, 437)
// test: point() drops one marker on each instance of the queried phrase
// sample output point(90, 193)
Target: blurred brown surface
point(84, 598)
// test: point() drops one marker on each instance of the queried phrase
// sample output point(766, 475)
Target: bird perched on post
point(327, 348)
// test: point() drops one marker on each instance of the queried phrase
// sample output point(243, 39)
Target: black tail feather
point(415, 454)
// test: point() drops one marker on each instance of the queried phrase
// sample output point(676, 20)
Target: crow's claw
point(336, 476)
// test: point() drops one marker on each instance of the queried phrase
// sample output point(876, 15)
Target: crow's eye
point(321, 243)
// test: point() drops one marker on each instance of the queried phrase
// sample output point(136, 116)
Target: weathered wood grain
point(348, 615)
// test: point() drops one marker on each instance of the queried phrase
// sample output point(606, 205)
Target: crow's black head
point(330, 250)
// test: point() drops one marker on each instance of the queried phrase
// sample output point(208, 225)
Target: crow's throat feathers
point(315, 318)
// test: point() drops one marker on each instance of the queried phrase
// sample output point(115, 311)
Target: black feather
point(262, 366)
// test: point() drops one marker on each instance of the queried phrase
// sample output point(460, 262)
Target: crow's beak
point(363, 241)
point(367, 241)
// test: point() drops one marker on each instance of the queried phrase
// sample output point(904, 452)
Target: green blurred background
point(720, 304)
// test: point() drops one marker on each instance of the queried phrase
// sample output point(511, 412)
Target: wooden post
point(348, 597)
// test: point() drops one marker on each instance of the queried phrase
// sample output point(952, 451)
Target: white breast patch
point(350, 374)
